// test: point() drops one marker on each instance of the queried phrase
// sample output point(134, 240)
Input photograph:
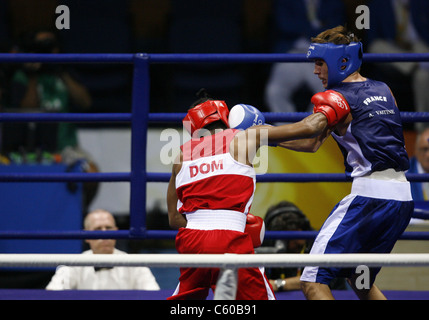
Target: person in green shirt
point(47, 87)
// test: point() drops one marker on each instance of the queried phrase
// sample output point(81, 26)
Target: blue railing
point(140, 118)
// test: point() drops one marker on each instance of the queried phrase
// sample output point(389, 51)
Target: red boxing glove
point(332, 104)
point(255, 227)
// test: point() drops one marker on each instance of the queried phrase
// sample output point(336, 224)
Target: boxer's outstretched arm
point(309, 127)
point(246, 143)
point(307, 145)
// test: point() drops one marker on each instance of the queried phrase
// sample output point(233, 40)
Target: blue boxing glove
point(243, 116)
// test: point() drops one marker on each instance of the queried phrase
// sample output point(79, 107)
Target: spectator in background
point(400, 26)
point(391, 31)
point(419, 163)
point(294, 23)
point(2, 88)
point(90, 278)
point(3, 158)
point(49, 87)
point(286, 216)
point(419, 10)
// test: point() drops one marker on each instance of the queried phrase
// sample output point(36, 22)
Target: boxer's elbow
point(176, 220)
point(315, 124)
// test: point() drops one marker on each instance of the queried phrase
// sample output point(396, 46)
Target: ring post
point(139, 125)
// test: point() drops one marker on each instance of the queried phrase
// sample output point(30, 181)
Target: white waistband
point(383, 186)
point(216, 219)
point(388, 174)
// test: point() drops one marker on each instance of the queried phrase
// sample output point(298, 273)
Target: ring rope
point(165, 234)
point(194, 57)
point(165, 177)
point(226, 261)
point(165, 117)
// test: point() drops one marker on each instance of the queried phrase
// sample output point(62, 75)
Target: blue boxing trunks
point(369, 220)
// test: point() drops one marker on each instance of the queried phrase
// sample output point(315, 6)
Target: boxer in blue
point(369, 133)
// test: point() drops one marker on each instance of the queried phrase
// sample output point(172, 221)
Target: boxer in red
point(211, 191)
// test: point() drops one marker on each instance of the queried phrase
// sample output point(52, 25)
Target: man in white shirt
point(90, 278)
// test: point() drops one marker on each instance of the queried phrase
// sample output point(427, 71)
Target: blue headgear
point(342, 60)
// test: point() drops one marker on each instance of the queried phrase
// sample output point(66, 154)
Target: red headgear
point(205, 113)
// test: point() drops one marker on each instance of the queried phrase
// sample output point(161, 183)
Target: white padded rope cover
point(230, 261)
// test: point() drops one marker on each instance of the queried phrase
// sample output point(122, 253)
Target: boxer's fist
point(332, 104)
point(243, 116)
point(255, 227)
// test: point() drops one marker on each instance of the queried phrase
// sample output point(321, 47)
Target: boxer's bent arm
point(176, 220)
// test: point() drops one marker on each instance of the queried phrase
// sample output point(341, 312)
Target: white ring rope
point(227, 261)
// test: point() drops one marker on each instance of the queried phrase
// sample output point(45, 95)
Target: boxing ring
point(138, 177)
